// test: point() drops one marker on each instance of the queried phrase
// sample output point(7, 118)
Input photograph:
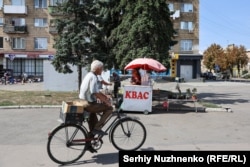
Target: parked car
point(225, 75)
point(208, 76)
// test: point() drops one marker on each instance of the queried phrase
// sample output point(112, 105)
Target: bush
point(244, 72)
point(246, 76)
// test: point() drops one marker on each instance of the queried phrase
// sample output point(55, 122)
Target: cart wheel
point(146, 112)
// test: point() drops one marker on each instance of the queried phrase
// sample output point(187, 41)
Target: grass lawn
point(9, 98)
point(12, 98)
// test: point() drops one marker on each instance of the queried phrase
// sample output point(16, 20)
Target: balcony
point(15, 29)
point(55, 10)
point(52, 30)
point(176, 33)
point(12, 9)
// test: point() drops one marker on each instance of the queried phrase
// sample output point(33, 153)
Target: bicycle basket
point(71, 113)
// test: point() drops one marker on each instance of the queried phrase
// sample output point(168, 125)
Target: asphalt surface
point(24, 131)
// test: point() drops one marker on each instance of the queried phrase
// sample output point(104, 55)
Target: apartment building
point(186, 60)
point(27, 32)
point(26, 37)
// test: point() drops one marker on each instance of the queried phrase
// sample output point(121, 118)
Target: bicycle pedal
point(91, 149)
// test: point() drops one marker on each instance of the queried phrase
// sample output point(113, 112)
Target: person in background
point(11, 79)
point(136, 77)
point(24, 77)
point(6, 77)
point(117, 83)
point(145, 78)
point(102, 82)
point(89, 93)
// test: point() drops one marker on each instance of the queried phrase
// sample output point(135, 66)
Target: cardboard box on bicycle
point(76, 106)
point(72, 111)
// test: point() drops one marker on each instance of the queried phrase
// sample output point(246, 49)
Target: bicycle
point(68, 142)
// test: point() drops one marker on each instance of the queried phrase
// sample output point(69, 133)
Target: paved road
point(24, 131)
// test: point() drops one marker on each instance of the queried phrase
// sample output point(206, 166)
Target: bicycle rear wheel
point(66, 143)
point(128, 135)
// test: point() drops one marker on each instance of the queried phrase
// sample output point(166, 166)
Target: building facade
point(185, 57)
point(27, 33)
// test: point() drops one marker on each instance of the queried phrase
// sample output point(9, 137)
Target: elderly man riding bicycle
point(89, 93)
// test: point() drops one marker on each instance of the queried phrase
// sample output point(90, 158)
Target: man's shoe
point(99, 132)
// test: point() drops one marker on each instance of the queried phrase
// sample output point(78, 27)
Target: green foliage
point(194, 91)
point(208, 104)
point(76, 42)
point(142, 29)
point(244, 72)
point(114, 32)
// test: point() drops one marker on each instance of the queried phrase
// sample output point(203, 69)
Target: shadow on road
point(104, 159)
point(222, 99)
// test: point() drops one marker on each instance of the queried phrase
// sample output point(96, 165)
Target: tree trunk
point(238, 67)
point(231, 71)
point(79, 70)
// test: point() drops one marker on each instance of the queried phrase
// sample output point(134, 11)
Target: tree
point(77, 34)
point(212, 56)
point(115, 32)
point(241, 58)
point(236, 56)
point(144, 29)
point(226, 59)
point(110, 18)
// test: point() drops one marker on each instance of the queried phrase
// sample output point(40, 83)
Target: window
point(40, 3)
point(1, 21)
point(1, 3)
point(186, 45)
point(39, 67)
point(33, 67)
point(56, 2)
point(18, 43)
point(41, 43)
point(40, 22)
point(18, 2)
point(29, 66)
point(1, 42)
point(171, 7)
point(186, 7)
point(186, 25)
point(18, 21)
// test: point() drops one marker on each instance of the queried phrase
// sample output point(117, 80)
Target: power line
point(240, 30)
point(227, 22)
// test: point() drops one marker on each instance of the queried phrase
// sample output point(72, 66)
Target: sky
point(224, 22)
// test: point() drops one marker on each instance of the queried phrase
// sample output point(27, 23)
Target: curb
point(30, 106)
point(218, 109)
point(59, 106)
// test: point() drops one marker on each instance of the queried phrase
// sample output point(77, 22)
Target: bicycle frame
point(76, 137)
point(117, 120)
point(71, 141)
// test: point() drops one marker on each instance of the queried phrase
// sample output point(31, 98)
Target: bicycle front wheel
point(128, 135)
point(66, 144)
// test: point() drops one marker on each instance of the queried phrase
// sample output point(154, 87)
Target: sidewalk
point(26, 129)
point(210, 90)
point(36, 86)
